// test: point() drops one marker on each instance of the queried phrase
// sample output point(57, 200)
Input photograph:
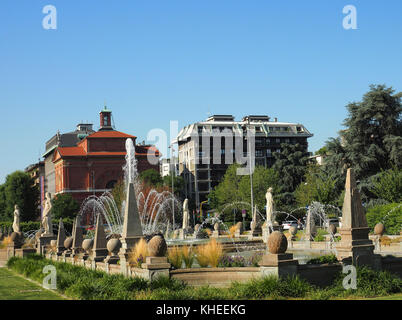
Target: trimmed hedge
point(35, 225)
point(81, 283)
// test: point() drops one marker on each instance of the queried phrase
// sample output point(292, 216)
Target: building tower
point(105, 119)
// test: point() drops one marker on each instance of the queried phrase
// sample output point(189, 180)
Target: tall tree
point(319, 186)
point(64, 206)
point(2, 202)
point(178, 183)
point(372, 139)
point(290, 164)
point(20, 190)
point(263, 178)
point(152, 177)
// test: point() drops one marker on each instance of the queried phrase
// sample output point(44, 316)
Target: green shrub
point(388, 185)
point(369, 283)
point(320, 236)
point(330, 258)
point(81, 283)
point(35, 225)
point(389, 214)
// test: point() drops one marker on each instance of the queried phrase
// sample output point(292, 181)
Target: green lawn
point(13, 287)
point(392, 297)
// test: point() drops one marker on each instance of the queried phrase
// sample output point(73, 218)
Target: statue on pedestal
point(16, 223)
point(270, 208)
point(186, 215)
point(47, 216)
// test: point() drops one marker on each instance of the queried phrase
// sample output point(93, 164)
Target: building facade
point(204, 147)
point(167, 165)
point(86, 162)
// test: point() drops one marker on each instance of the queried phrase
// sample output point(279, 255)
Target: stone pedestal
point(355, 245)
point(44, 240)
point(156, 267)
point(281, 264)
point(98, 255)
point(127, 244)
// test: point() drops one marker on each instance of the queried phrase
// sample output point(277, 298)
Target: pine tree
point(372, 139)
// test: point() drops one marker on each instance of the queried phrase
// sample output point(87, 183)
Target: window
point(105, 120)
point(278, 140)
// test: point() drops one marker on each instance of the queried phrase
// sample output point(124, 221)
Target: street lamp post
point(171, 173)
point(251, 174)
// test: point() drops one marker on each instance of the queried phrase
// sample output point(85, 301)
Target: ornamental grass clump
point(175, 257)
point(139, 253)
point(214, 252)
point(232, 231)
point(6, 241)
point(209, 254)
point(201, 256)
point(188, 256)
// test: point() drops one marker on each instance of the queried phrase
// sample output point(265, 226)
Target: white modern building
point(197, 162)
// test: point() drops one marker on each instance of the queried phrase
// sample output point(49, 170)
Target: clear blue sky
point(155, 61)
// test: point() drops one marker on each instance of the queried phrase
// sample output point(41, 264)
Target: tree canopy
point(372, 138)
point(237, 189)
point(151, 176)
point(19, 189)
point(64, 206)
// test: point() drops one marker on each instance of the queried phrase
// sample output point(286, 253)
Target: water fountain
point(155, 208)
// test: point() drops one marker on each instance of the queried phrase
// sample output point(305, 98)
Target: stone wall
point(217, 277)
point(393, 265)
point(320, 275)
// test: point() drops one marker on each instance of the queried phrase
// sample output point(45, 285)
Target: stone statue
point(253, 224)
point(47, 216)
point(185, 215)
point(16, 223)
point(270, 207)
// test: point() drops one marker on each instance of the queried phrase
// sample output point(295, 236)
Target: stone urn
point(277, 243)
point(113, 246)
point(379, 229)
point(68, 243)
point(197, 227)
point(216, 226)
point(332, 228)
point(157, 246)
point(87, 244)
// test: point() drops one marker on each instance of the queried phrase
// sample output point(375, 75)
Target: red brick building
point(96, 162)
